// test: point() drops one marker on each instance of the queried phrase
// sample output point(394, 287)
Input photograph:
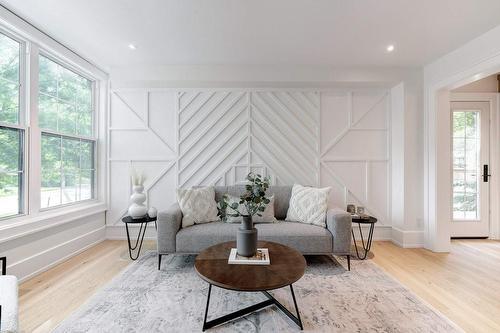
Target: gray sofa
point(306, 238)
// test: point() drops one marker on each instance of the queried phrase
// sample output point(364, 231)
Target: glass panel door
point(466, 164)
point(470, 123)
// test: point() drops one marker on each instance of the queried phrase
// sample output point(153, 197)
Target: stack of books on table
point(261, 257)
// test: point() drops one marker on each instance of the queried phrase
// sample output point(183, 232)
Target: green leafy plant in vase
point(252, 202)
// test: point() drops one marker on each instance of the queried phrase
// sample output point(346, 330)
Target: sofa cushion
point(306, 238)
point(308, 205)
point(198, 205)
point(9, 302)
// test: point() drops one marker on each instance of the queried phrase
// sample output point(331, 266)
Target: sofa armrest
point(169, 223)
point(3, 266)
point(9, 303)
point(339, 223)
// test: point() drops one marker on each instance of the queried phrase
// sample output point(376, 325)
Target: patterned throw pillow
point(198, 205)
point(308, 205)
point(267, 214)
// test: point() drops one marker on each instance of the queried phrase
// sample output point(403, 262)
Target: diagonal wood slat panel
point(290, 124)
point(207, 146)
point(268, 132)
point(287, 134)
point(286, 126)
point(209, 116)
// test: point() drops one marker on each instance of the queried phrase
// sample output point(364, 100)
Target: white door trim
point(436, 173)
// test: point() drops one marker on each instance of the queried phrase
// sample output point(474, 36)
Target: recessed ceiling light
point(132, 46)
point(390, 48)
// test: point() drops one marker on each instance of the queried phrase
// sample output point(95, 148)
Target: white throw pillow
point(197, 205)
point(267, 214)
point(308, 205)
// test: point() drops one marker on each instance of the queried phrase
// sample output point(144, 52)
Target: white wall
point(487, 85)
point(37, 250)
point(406, 163)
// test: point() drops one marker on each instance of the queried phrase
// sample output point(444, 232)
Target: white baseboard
point(408, 239)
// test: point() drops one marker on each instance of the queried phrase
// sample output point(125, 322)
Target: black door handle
point(486, 174)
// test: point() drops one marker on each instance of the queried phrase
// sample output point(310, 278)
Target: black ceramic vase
point(246, 238)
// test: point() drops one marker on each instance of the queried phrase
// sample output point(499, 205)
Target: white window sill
point(25, 225)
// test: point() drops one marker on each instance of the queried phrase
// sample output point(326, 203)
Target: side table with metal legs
point(140, 236)
point(366, 246)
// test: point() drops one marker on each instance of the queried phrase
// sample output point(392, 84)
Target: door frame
point(437, 155)
point(494, 159)
point(477, 59)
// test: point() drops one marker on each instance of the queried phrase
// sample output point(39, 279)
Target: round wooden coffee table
point(287, 267)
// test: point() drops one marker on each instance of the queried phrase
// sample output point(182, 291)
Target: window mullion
point(34, 150)
point(61, 179)
point(70, 136)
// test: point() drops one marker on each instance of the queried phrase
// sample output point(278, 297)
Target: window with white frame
point(58, 127)
point(65, 117)
point(12, 131)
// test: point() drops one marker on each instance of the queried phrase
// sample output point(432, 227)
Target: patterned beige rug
point(330, 299)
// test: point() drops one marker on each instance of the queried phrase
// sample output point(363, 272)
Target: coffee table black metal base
point(240, 313)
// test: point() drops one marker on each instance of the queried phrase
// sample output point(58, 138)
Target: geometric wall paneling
point(375, 118)
point(285, 135)
point(378, 188)
point(159, 174)
point(122, 115)
point(352, 175)
point(161, 189)
point(334, 116)
point(356, 155)
point(213, 134)
point(137, 144)
point(135, 102)
point(365, 103)
point(356, 186)
point(142, 105)
point(367, 116)
point(158, 186)
point(201, 113)
point(360, 144)
point(224, 135)
point(162, 116)
point(183, 138)
point(119, 190)
point(154, 171)
point(142, 136)
point(338, 196)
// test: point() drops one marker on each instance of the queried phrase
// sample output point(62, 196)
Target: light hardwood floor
point(464, 284)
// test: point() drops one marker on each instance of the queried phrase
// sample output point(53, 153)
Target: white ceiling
point(238, 32)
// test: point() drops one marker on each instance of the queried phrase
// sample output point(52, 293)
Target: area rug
point(330, 299)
